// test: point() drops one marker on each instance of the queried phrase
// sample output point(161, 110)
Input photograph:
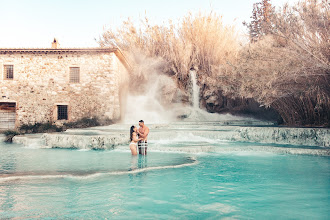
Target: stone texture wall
point(41, 82)
point(213, 100)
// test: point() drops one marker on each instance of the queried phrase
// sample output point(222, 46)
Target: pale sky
point(76, 23)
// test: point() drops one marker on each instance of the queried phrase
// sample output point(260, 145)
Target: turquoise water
point(88, 184)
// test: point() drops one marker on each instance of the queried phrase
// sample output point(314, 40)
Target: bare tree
point(260, 24)
point(285, 67)
point(289, 68)
point(198, 41)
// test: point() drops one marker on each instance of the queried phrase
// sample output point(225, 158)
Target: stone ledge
point(95, 142)
point(279, 135)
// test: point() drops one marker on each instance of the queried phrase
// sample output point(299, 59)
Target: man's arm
point(140, 134)
point(146, 132)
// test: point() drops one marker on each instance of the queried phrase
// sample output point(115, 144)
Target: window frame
point(74, 79)
point(61, 112)
point(5, 71)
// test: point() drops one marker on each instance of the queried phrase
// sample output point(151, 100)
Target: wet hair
point(141, 121)
point(131, 131)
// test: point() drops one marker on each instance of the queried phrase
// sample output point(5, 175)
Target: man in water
point(143, 133)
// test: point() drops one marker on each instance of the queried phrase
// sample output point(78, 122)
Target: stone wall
point(41, 82)
point(213, 100)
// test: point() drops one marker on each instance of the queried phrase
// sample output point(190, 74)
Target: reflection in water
point(8, 201)
point(138, 162)
point(8, 162)
point(134, 159)
point(72, 196)
point(142, 163)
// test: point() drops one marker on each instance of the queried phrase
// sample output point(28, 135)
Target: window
point(8, 72)
point(7, 115)
point(62, 112)
point(74, 74)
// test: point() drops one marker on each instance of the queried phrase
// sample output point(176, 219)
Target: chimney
point(55, 44)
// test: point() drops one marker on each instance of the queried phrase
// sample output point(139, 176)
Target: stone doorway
point(7, 115)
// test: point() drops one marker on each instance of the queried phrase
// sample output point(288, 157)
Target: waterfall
point(147, 107)
point(198, 114)
point(195, 90)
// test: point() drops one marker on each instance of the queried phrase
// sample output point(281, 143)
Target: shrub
point(288, 69)
point(39, 128)
point(83, 123)
point(10, 134)
point(199, 41)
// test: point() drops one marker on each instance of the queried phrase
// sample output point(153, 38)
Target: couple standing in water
point(139, 139)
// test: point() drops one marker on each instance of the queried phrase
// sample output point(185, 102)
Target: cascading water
point(197, 114)
point(195, 90)
point(146, 107)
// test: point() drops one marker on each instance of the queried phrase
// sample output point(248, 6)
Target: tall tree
point(260, 24)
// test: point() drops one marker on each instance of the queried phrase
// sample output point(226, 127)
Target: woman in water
point(134, 140)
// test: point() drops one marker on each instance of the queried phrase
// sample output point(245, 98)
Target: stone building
point(60, 85)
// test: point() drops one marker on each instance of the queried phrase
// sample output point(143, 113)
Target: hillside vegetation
point(284, 68)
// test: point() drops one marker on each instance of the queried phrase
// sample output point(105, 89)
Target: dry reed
point(287, 69)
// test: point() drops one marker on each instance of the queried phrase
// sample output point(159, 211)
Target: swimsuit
point(143, 147)
point(137, 150)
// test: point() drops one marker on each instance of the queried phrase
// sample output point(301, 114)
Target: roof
point(59, 50)
point(117, 51)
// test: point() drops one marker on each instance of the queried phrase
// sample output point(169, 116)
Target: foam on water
point(84, 150)
point(79, 176)
point(197, 114)
point(210, 138)
point(186, 137)
point(235, 150)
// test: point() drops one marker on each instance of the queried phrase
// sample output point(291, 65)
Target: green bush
point(11, 132)
point(83, 123)
point(39, 128)
point(50, 127)
point(9, 135)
